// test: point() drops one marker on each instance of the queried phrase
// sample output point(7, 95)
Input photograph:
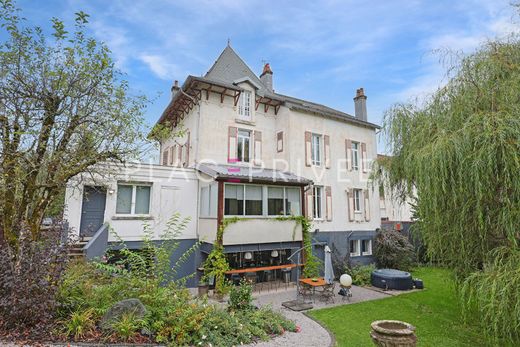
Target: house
point(395, 214)
point(257, 155)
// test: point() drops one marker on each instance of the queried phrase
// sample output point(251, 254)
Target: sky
point(320, 51)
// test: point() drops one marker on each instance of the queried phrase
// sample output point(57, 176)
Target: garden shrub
point(29, 279)
point(79, 324)
point(241, 296)
point(173, 316)
point(393, 250)
point(360, 274)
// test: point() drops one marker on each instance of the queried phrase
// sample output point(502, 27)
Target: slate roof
point(230, 67)
point(251, 174)
point(229, 70)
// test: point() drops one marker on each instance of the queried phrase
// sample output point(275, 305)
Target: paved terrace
point(311, 334)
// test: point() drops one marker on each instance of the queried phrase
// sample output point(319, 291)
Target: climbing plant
point(312, 264)
point(216, 264)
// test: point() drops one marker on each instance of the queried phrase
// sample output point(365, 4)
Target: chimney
point(175, 88)
point(360, 104)
point(267, 77)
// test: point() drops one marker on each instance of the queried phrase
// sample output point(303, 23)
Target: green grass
point(435, 313)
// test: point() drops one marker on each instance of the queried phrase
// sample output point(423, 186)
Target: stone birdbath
point(393, 333)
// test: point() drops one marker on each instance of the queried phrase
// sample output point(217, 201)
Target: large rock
point(128, 306)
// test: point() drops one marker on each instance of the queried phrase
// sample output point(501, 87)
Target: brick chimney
point(360, 104)
point(175, 88)
point(267, 77)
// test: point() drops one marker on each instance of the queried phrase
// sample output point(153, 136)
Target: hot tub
point(391, 279)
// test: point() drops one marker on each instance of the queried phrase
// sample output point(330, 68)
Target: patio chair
point(286, 277)
point(267, 277)
point(235, 279)
point(305, 291)
point(327, 293)
point(251, 278)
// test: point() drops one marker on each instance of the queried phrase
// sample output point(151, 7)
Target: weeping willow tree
point(458, 155)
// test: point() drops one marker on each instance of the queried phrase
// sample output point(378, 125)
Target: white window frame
point(357, 200)
point(244, 104)
point(357, 252)
point(355, 155)
point(369, 248)
point(319, 203)
point(241, 142)
point(134, 195)
point(316, 145)
point(265, 193)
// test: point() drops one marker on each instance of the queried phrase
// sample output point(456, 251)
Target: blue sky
point(319, 50)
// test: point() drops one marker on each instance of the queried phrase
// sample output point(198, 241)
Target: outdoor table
point(314, 284)
point(261, 268)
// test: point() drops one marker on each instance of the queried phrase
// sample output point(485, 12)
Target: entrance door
point(93, 210)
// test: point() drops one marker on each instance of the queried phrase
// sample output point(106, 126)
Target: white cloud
point(160, 66)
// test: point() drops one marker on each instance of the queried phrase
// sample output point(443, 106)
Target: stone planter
point(393, 333)
point(203, 289)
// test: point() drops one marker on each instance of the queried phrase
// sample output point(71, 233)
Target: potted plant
point(203, 287)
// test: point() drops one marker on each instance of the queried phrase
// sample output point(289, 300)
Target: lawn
point(434, 311)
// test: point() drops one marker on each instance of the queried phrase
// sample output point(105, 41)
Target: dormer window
point(244, 104)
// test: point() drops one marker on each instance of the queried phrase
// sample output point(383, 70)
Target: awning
point(251, 174)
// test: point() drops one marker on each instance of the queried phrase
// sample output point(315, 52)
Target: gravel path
point(312, 333)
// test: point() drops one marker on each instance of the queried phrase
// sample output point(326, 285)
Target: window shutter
point(326, 141)
point(165, 156)
point(350, 196)
point(309, 203)
point(364, 157)
point(308, 157)
point(258, 148)
point(232, 144)
point(367, 205)
point(348, 150)
point(328, 194)
point(279, 141)
point(187, 144)
point(179, 155)
point(171, 157)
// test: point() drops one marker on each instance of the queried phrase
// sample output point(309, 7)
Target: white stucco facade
point(170, 189)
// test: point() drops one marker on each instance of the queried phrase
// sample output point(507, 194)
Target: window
point(249, 200)
point(366, 247)
point(316, 149)
point(234, 200)
point(133, 199)
point(254, 200)
point(275, 201)
point(292, 201)
point(317, 210)
point(244, 104)
point(357, 200)
point(244, 148)
point(354, 248)
point(355, 155)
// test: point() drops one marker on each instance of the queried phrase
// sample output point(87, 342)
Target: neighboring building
point(395, 214)
point(258, 154)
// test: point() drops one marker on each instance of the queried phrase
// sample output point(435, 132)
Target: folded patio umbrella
point(329, 271)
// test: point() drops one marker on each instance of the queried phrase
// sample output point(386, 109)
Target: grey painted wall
point(186, 268)
point(338, 241)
